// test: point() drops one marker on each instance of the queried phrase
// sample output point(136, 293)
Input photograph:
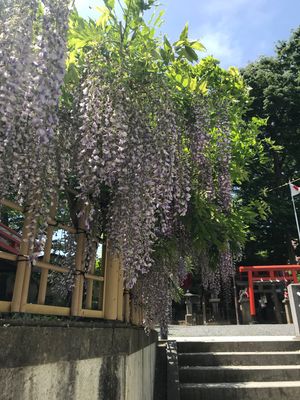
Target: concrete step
point(240, 358)
point(241, 391)
point(237, 346)
point(245, 373)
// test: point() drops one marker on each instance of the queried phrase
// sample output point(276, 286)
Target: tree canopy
point(275, 89)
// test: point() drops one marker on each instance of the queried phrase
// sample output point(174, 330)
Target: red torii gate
point(289, 274)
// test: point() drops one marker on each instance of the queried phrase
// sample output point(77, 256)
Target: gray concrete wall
point(109, 362)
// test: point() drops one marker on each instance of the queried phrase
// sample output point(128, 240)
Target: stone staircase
point(239, 370)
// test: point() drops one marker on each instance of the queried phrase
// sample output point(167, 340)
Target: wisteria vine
point(130, 141)
point(124, 145)
point(32, 66)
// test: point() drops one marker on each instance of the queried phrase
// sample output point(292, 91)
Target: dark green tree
point(275, 83)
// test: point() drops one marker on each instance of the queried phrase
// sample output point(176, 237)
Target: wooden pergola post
point(90, 283)
point(126, 306)
point(113, 286)
point(101, 286)
point(47, 253)
point(120, 293)
point(23, 272)
point(136, 313)
point(77, 295)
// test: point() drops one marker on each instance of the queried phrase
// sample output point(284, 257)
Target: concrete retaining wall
point(81, 363)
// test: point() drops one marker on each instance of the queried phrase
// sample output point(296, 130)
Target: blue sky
point(234, 31)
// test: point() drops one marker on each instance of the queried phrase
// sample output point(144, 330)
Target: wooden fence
point(114, 302)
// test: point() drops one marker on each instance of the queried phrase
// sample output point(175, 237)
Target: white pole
point(296, 218)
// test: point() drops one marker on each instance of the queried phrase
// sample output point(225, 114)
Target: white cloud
point(220, 45)
point(225, 27)
point(230, 6)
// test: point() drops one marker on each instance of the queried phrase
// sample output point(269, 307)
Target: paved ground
point(231, 330)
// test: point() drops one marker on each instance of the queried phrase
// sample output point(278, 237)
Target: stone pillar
point(189, 308)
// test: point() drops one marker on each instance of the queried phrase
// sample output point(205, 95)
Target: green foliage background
point(275, 91)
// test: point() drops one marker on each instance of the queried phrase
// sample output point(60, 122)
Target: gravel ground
point(231, 330)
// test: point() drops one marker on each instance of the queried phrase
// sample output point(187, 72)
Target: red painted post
point(294, 273)
point(251, 294)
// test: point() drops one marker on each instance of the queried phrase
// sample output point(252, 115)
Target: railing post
point(90, 283)
point(113, 286)
point(126, 306)
point(47, 253)
point(23, 272)
point(120, 293)
point(136, 313)
point(77, 294)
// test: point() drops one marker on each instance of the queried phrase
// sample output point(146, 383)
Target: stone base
point(189, 319)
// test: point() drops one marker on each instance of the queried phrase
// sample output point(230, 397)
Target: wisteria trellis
point(128, 141)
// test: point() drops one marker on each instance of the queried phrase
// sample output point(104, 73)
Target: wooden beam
point(91, 313)
point(94, 277)
point(59, 225)
point(42, 264)
point(50, 310)
point(7, 256)
point(52, 267)
point(51, 221)
point(5, 306)
point(12, 204)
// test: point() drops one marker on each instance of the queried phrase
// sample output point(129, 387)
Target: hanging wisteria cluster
point(224, 198)
point(130, 141)
point(32, 64)
point(210, 146)
point(200, 143)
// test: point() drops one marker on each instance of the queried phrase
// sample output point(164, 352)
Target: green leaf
point(178, 78)
point(102, 21)
point(203, 87)
point(71, 75)
point(167, 44)
point(197, 46)
point(184, 33)
point(191, 55)
point(158, 22)
point(185, 82)
point(193, 84)
point(179, 44)
point(110, 3)
point(164, 55)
